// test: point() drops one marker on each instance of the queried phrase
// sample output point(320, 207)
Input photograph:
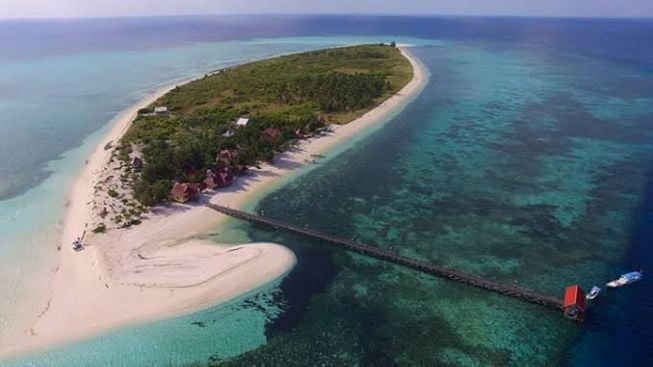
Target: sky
point(111, 8)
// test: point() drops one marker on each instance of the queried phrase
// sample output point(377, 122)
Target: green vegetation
point(295, 95)
point(101, 228)
point(335, 91)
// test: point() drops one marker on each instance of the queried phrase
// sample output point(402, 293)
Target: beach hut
point(226, 176)
point(198, 187)
point(242, 122)
point(184, 192)
point(221, 178)
point(574, 302)
point(212, 180)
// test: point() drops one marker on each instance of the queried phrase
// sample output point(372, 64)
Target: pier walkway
point(423, 266)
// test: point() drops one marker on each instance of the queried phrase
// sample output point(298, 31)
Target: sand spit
point(159, 268)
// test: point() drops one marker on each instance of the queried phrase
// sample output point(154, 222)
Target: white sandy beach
point(162, 267)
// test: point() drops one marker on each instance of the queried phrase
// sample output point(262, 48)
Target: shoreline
point(159, 269)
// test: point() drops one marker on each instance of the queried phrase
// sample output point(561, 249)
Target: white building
point(161, 110)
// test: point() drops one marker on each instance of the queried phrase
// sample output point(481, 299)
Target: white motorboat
point(593, 293)
point(625, 279)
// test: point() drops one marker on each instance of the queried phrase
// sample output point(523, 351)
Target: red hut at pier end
point(574, 302)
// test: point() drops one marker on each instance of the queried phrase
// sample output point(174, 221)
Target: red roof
point(184, 190)
point(227, 175)
point(220, 178)
point(574, 296)
point(194, 188)
point(179, 189)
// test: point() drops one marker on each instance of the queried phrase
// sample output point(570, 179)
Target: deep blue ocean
point(527, 158)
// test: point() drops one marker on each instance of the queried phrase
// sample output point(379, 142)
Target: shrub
point(101, 228)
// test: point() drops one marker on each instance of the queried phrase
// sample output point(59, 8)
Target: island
point(135, 215)
point(201, 135)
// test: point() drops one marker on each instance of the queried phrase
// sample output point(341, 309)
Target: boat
point(625, 279)
point(593, 293)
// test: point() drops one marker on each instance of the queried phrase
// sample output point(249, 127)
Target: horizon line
point(417, 15)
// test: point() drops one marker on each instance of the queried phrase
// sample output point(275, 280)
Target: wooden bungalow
point(227, 176)
point(218, 178)
point(199, 187)
point(184, 192)
point(212, 180)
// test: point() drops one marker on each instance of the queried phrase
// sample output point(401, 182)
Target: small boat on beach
point(625, 279)
point(593, 293)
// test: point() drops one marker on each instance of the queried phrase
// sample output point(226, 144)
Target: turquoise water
point(76, 97)
point(56, 103)
point(522, 161)
point(514, 164)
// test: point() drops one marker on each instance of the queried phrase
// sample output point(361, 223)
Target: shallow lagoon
point(519, 162)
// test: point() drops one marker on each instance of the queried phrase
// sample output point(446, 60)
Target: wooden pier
point(423, 266)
